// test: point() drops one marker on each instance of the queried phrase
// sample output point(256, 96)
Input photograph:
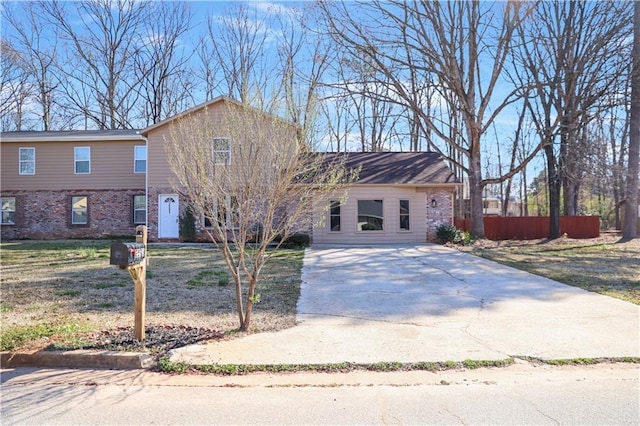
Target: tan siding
point(111, 166)
point(160, 173)
point(157, 163)
point(391, 197)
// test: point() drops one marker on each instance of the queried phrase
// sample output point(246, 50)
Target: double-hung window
point(27, 161)
point(8, 210)
point(82, 159)
point(139, 209)
point(221, 148)
point(79, 211)
point(405, 223)
point(334, 216)
point(226, 212)
point(139, 159)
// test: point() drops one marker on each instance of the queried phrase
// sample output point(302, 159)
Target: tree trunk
point(475, 191)
point(630, 226)
point(554, 193)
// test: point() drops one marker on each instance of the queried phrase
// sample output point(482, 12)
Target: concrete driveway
point(431, 303)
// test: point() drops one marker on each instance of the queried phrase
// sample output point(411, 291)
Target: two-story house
point(93, 184)
point(72, 184)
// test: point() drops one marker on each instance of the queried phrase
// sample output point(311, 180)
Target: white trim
point(370, 231)
point(340, 205)
point(15, 207)
point(75, 160)
point(139, 159)
point(20, 161)
point(177, 228)
point(80, 137)
point(409, 214)
point(215, 151)
point(134, 210)
point(86, 210)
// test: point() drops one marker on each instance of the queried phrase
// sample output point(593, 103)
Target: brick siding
point(442, 213)
point(47, 214)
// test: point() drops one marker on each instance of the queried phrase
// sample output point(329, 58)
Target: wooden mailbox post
point(133, 258)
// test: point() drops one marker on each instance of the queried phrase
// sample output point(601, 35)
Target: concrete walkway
point(401, 303)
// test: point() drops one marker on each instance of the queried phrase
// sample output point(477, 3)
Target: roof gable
point(212, 103)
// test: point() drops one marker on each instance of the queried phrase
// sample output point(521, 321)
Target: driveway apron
point(413, 303)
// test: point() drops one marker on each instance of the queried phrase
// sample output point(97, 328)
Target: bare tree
point(101, 50)
point(162, 61)
point(14, 88)
point(248, 177)
point(569, 58)
point(630, 226)
point(304, 57)
point(459, 46)
point(234, 57)
point(38, 52)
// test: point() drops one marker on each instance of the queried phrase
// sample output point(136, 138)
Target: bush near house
point(448, 233)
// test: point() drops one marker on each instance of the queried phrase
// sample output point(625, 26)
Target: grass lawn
point(54, 290)
point(603, 265)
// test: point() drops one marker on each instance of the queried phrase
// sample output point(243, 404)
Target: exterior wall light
point(434, 203)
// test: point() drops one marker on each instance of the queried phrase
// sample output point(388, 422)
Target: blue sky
point(203, 9)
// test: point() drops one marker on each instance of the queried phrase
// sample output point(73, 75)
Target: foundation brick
point(47, 214)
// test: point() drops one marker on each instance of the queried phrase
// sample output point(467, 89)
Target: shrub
point(188, 225)
point(448, 233)
point(297, 240)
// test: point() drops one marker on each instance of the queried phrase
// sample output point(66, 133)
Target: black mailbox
point(127, 254)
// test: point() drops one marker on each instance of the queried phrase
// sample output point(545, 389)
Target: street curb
point(78, 359)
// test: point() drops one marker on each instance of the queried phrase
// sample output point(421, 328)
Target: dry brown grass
point(72, 283)
point(604, 265)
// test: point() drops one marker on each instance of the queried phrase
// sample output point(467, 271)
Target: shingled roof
point(69, 135)
point(398, 168)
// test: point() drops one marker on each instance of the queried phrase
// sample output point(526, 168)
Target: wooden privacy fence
point(534, 227)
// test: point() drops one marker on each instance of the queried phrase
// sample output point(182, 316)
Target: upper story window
point(82, 159)
point(27, 161)
point(221, 148)
point(139, 159)
point(8, 210)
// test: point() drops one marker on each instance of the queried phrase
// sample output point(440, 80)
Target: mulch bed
point(158, 339)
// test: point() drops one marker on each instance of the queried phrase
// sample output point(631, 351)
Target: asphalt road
point(521, 394)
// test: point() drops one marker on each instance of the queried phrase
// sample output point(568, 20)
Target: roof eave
point(74, 138)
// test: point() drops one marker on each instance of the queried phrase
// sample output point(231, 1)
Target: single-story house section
point(399, 197)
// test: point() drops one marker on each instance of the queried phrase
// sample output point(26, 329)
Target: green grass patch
point(69, 293)
point(105, 305)
point(5, 307)
point(209, 278)
point(102, 286)
point(581, 361)
point(18, 336)
point(168, 366)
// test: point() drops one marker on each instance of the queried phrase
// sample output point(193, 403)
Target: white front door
point(168, 214)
